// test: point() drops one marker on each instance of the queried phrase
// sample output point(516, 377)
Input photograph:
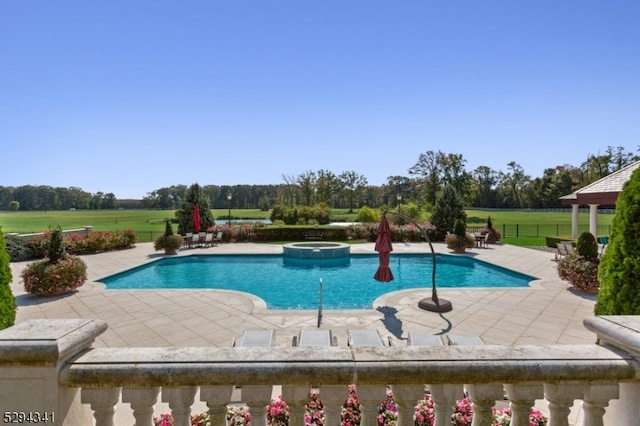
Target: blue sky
point(131, 96)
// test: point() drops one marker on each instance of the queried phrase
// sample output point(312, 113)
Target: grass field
point(517, 227)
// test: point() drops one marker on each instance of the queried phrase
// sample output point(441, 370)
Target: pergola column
point(593, 219)
point(575, 208)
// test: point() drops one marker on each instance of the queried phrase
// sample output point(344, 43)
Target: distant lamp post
point(229, 207)
point(399, 198)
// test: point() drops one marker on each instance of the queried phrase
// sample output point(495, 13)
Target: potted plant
point(169, 242)
point(494, 235)
point(58, 273)
point(460, 240)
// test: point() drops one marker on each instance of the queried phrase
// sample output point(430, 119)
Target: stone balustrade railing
point(48, 367)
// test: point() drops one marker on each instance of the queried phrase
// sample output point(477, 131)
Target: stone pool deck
point(547, 312)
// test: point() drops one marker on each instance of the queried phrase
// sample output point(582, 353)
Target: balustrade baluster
point(561, 397)
point(522, 398)
point(217, 399)
point(102, 402)
point(370, 397)
point(407, 397)
point(484, 397)
point(444, 398)
point(257, 398)
point(296, 397)
point(333, 396)
point(142, 401)
point(180, 400)
point(596, 398)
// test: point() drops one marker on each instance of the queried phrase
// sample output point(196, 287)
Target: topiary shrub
point(59, 273)
point(619, 271)
point(459, 228)
point(7, 300)
point(587, 246)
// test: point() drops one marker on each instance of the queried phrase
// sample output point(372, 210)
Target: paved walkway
point(546, 312)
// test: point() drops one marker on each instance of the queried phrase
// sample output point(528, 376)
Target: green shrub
point(301, 215)
point(19, 248)
point(7, 300)
point(580, 272)
point(368, 215)
point(587, 246)
point(619, 271)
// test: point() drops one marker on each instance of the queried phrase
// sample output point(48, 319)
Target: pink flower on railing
point(314, 411)
point(163, 420)
point(238, 415)
point(424, 412)
point(351, 414)
point(463, 414)
point(278, 412)
point(388, 411)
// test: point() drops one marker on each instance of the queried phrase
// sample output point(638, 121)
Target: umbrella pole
point(433, 304)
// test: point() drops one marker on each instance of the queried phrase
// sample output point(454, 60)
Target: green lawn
point(520, 228)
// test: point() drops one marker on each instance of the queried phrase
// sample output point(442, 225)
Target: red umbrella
point(384, 249)
point(196, 219)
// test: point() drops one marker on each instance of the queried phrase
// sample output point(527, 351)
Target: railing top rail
point(136, 367)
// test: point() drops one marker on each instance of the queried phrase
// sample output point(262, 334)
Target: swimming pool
point(294, 283)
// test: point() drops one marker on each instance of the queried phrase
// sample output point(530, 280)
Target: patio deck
point(546, 312)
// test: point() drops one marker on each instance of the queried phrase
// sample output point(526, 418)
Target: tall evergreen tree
point(7, 300)
point(619, 270)
point(447, 209)
point(195, 196)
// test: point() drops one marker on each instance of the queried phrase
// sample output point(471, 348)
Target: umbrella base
point(428, 304)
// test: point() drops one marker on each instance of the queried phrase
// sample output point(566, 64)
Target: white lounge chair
point(365, 338)
point(563, 249)
point(218, 238)
point(208, 240)
point(457, 340)
point(417, 339)
point(256, 338)
point(315, 338)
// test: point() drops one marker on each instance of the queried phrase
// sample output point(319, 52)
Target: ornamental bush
point(580, 272)
point(58, 273)
point(45, 278)
point(7, 300)
point(619, 271)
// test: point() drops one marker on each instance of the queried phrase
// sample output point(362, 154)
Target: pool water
point(294, 283)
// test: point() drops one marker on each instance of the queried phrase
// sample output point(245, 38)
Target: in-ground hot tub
point(316, 250)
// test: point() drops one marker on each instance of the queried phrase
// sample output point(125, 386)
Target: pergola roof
point(603, 191)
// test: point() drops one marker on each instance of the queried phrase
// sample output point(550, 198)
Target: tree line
point(433, 170)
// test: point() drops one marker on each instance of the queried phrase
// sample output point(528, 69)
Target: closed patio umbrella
point(196, 218)
point(384, 249)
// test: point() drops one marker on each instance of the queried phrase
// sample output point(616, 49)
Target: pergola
point(603, 192)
